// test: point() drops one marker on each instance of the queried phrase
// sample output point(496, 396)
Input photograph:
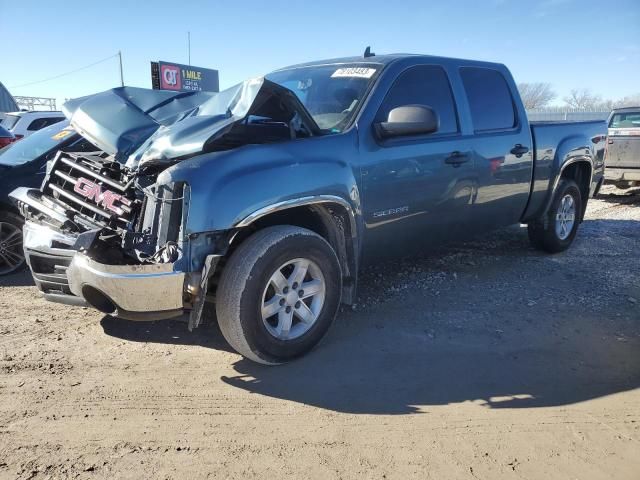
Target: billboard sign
point(183, 78)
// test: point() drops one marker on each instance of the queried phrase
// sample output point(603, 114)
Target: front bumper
point(134, 292)
point(49, 254)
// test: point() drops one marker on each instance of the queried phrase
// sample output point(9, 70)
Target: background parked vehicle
point(6, 137)
point(623, 152)
point(23, 124)
point(272, 194)
point(7, 102)
point(24, 164)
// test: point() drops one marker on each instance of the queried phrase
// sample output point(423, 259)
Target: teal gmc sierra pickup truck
point(267, 198)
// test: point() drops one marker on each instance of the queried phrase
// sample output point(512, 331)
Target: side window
point(423, 85)
point(489, 99)
point(52, 120)
point(40, 123)
point(37, 124)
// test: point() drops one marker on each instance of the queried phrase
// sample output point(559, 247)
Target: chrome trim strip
point(298, 202)
point(24, 195)
point(73, 181)
point(86, 171)
point(565, 165)
point(79, 202)
point(65, 177)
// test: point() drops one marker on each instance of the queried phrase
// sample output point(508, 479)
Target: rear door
point(502, 147)
point(623, 150)
point(417, 189)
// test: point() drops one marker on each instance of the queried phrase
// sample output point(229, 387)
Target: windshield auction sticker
point(354, 72)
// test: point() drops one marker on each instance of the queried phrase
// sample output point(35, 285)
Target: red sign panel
point(170, 77)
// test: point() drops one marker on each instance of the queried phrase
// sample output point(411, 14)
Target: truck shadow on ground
point(375, 375)
point(477, 341)
point(171, 332)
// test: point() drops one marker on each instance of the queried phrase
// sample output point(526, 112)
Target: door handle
point(519, 150)
point(456, 159)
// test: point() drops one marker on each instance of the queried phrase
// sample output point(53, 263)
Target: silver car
point(623, 153)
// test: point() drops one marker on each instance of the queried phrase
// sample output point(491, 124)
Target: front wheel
point(278, 294)
point(555, 231)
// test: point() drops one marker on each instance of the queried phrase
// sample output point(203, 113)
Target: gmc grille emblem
point(104, 198)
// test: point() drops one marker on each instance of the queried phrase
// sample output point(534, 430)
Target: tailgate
point(624, 148)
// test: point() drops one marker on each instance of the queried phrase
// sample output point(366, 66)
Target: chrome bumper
point(49, 254)
point(135, 292)
point(27, 199)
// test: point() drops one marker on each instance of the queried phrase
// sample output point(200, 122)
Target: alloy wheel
point(293, 299)
point(565, 217)
point(11, 254)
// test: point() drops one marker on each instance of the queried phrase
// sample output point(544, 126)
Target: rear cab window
point(623, 120)
point(426, 85)
point(490, 101)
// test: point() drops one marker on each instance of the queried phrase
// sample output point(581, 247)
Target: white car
point(23, 124)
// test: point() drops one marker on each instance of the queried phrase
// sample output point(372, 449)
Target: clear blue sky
point(568, 43)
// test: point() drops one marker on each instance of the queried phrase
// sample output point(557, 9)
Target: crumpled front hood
point(119, 120)
point(143, 126)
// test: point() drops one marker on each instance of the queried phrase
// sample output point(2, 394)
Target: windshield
point(331, 93)
point(35, 145)
point(625, 120)
point(9, 121)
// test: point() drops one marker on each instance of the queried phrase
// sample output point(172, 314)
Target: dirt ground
point(483, 360)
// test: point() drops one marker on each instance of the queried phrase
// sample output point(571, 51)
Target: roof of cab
point(386, 59)
point(626, 109)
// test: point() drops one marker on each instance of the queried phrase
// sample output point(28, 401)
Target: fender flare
point(348, 253)
point(299, 202)
point(572, 150)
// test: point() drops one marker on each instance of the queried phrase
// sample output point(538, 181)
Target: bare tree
point(536, 95)
point(628, 101)
point(584, 99)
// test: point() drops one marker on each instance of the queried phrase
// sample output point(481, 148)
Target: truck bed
point(556, 142)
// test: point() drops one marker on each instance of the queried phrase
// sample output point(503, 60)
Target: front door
point(417, 190)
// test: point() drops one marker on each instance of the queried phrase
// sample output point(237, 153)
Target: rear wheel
point(11, 252)
point(555, 231)
point(278, 294)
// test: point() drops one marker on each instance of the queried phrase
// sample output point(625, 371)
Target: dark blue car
point(23, 164)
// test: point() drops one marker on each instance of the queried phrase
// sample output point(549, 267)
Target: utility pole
point(189, 45)
point(121, 74)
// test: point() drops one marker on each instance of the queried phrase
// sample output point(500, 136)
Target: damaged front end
point(106, 230)
point(99, 232)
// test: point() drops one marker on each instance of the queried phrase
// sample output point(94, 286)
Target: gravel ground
point(483, 360)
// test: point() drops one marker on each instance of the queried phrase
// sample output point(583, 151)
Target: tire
point(544, 232)
point(250, 285)
point(11, 250)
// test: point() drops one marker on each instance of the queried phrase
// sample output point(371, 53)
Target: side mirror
point(408, 120)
